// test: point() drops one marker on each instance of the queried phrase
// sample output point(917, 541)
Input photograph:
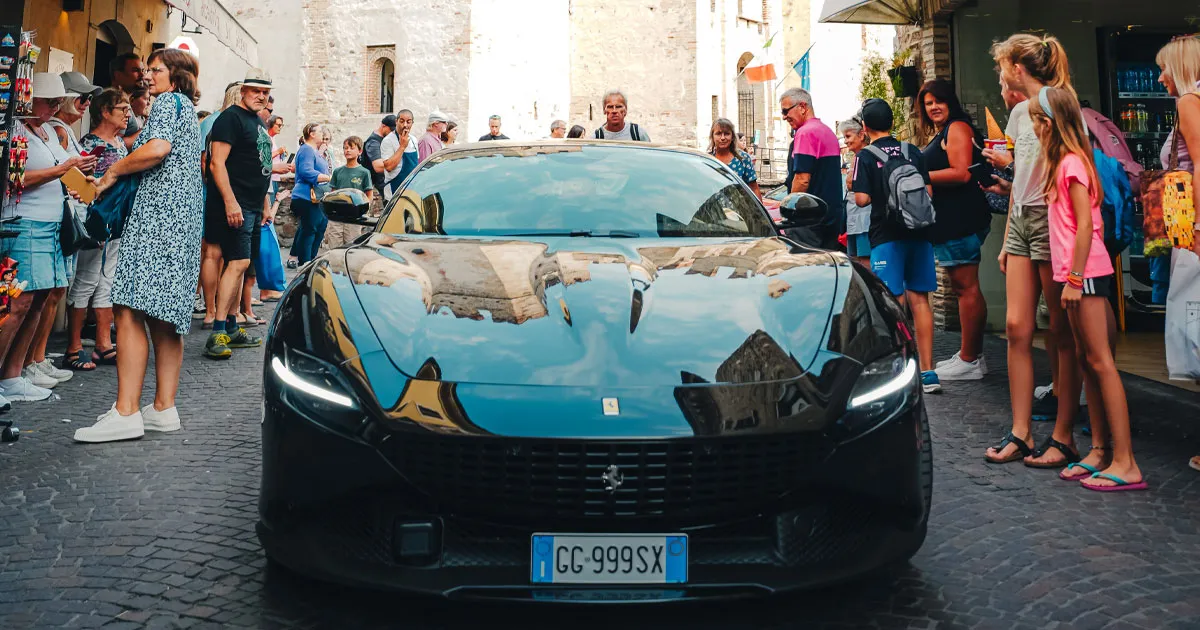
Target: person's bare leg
point(19, 311)
point(1067, 377)
point(168, 361)
point(972, 309)
point(132, 359)
point(41, 336)
point(247, 296)
point(210, 278)
point(922, 316)
point(75, 320)
point(1021, 287)
point(18, 349)
point(230, 288)
point(104, 321)
point(1093, 323)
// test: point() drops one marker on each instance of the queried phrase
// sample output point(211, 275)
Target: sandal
point(1070, 455)
point(1194, 463)
point(1122, 485)
point(106, 357)
point(1023, 450)
point(1088, 469)
point(77, 361)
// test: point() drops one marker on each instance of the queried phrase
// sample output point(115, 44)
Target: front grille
point(531, 481)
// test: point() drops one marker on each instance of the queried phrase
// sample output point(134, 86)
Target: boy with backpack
point(890, 177)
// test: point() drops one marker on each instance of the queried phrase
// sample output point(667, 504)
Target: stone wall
point(648, 50)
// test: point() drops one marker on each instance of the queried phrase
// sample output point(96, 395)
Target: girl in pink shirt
point(1081, 263)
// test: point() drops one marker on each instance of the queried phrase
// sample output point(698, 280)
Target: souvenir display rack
point(18, 54)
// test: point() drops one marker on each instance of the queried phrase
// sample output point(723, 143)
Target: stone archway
point(379, 88)
point(112, 39)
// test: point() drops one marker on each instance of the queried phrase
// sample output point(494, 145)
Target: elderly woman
point(36, 249)
point(160, 252)
point(858, 220)
point(95, 268)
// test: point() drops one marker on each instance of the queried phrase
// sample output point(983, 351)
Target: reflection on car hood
point(595, 311)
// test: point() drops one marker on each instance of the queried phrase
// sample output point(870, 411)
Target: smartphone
point(97, 151)
point(77, 181)
point(291, 158)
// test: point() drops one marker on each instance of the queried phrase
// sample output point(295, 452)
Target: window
point(387, 86)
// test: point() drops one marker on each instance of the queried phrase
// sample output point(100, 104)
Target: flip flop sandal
point(1071, 456)
point(1023, 450)
point(108, 357)
point(1194, 463)
point(270, 299)
point(76, 361)
point(256, 302)
point(1122, 485)
point(1088, 471)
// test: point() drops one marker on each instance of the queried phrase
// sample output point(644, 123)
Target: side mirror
point(802, 210)
point(347, 205)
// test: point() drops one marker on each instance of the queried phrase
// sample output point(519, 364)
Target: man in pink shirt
point(431, 142)
point(815, 164)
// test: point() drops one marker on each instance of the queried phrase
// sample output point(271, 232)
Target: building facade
point(346, 63)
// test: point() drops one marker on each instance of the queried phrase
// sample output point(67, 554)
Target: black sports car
point(589, 371)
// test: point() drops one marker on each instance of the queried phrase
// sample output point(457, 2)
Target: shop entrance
point(112, 39)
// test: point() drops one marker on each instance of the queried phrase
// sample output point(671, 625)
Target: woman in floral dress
point(722, 145)
point(160, 252)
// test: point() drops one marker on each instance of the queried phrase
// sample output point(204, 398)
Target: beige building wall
point(143, 21)
point(646, 49)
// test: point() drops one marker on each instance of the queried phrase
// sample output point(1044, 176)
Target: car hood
point(595, 312)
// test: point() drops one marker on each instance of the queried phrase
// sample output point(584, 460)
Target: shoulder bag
point(1168, 205)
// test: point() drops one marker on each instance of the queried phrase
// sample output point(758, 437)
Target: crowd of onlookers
point(1053, 244)
point(192, 244)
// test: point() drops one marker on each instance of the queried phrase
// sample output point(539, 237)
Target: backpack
point(635, 133)
point(1117, 209)
point(1108, 138)
point(908, 201)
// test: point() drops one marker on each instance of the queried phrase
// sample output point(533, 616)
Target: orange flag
point(761, 74)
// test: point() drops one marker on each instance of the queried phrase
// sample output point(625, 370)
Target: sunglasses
point(785, 110)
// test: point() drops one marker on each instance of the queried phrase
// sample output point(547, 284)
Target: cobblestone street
point(159, 532)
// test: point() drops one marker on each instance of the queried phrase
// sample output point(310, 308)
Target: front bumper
point(336, 509)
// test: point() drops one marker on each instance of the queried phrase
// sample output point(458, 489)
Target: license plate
point(609, 559)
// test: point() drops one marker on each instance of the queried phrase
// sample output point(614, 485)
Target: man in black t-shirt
point(900, 257)
point(239, 174)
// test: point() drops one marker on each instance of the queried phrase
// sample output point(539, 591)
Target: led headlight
point(883, 387)
point(312, 388)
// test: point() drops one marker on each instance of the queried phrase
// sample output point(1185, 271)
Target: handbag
point(1168, 203)
point(1183, 317)
point(107, 215)
point(72, 234)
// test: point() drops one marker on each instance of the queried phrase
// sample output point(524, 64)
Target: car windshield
point(577, 190)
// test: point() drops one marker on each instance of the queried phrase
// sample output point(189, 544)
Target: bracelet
point(1076, 274)
point(1076, 283)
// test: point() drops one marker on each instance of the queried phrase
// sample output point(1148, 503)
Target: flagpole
point(792, 68)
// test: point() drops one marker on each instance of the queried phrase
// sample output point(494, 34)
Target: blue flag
point(801, 69)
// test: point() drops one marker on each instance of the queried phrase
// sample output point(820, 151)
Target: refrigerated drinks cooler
point(1145, 113)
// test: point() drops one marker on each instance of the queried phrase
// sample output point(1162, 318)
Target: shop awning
point(216, 19)
point(871, 11)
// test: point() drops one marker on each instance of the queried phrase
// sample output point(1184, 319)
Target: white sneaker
point(37, 377)
point(1043, 391)
point(47, 367)
point(111, 427)
point(955, 369)
point(23, 390)
point(958, 358)
point(155, 420)
point(5, 406)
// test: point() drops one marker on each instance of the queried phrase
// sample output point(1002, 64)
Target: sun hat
point(256, 77)
point(48, 85)
point(76, 82)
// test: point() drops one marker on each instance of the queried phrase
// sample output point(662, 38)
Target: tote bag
point(1183, 317)
point(1169, 205)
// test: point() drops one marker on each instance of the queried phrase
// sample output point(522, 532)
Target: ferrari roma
point(588, 371)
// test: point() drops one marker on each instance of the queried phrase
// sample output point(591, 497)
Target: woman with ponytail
point(1027, 63)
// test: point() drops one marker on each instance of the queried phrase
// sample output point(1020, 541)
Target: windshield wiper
point(588, 233)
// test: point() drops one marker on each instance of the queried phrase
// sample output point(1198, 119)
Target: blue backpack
point(1117, 210)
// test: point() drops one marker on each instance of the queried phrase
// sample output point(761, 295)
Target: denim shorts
point(967, 250)
point(38, 251)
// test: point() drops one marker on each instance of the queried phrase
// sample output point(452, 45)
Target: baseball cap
point(76, 82)
point(876, 114)
point(390, 121)
point(256, 77)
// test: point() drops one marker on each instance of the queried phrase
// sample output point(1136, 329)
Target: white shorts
point(92, 284)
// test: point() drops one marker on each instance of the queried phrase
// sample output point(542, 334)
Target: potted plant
point(905, 80)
